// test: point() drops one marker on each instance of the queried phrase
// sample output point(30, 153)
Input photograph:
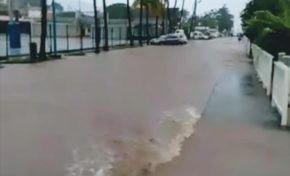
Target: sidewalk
point(238, 134)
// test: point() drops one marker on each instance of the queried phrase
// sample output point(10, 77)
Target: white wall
point(34, 13)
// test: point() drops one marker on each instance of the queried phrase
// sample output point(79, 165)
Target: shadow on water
point(240, 97)
point(247, 85)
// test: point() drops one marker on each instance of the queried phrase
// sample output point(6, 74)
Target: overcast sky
point(235, 6)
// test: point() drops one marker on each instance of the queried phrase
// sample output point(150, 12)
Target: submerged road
point(51, 109)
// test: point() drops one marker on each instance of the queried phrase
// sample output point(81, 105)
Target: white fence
point(281, 90)
point(263, 62)
point(247, 45)
point(279, 85)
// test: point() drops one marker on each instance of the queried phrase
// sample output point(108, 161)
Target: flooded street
point(126, 104)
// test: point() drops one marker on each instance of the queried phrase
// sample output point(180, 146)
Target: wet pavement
point(48, 110)
point(239, 133)
point(63, 44)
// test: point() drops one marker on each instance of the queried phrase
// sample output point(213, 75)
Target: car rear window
point(172, 37)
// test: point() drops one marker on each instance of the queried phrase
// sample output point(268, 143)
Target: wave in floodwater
point(138, 156)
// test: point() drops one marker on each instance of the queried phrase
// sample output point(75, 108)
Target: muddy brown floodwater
point(115, 113)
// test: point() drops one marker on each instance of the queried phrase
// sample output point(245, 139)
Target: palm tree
point(168, 15)
point(175, 4)
point(163, 17)
point(147, 23)
point(97, 36)
point(141, 21)
point(106, 45)
point(175, 11)
point(181, 14)
point(194, 17)
point(129, 23)
point(42, 52)
point(153, 7)
point(156, 26)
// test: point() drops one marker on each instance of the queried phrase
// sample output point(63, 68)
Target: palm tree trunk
point(174, 11)
point(97, 36)
point(147, 24)
point(141, 22)
point(168, 17)
point(193, 19)
point(129, 23)
point(106, 45)
point(181, 14)
point(175, 4)
point(42, 52)
point(163, 17)
point(163, 26)
point(156, 26)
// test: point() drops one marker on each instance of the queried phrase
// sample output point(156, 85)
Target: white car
point(156, 41)
point(214, 34)
point(170, 39)
point(198, 36)
point(179, 31)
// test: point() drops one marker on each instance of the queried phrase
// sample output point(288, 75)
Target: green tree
point(221, 19)
point(224, 19)
point(273, 6)
point(117, 11)
point(209, 19)
point(153, 7)
point(268, 25)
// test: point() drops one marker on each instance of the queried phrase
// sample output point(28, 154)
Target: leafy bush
point(269, 27)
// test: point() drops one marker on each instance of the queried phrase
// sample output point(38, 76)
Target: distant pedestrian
point(240, 37)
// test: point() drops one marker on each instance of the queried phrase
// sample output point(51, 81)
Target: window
point(171, 37)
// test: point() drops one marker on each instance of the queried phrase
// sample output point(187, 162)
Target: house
point(69, 23)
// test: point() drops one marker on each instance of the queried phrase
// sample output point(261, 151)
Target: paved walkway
point(239, 133)
point(48, 110)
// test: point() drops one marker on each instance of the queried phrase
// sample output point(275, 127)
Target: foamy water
point(139, 155)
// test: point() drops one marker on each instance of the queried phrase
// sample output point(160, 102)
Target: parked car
point(170, 39)
point(214, 34)
point(180, 31)
point(196, 35)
